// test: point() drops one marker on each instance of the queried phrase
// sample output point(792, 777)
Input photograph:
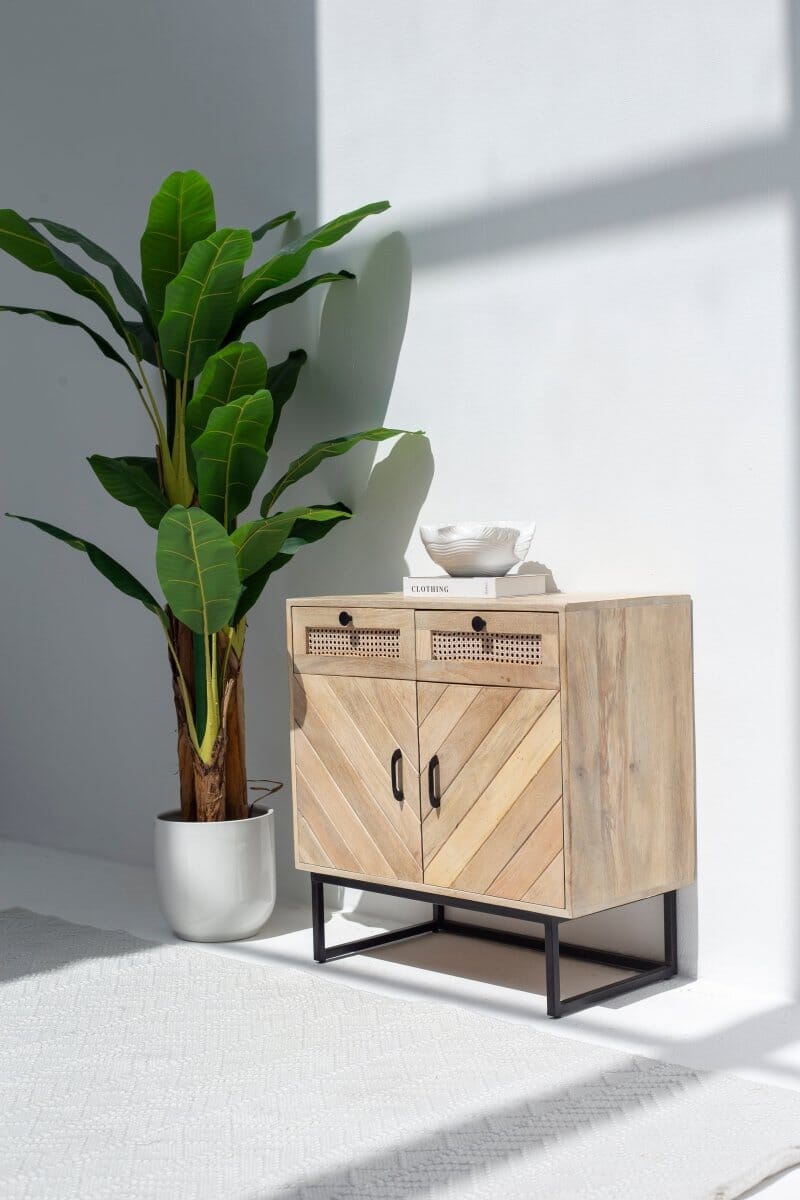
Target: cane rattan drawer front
point(354, 641)
point(488, 647)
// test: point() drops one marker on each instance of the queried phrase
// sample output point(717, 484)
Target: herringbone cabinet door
point(498, 830)
point(346, 732)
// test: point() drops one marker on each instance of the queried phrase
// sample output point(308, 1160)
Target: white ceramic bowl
point(470, 548)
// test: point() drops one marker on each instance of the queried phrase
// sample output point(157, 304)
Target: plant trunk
point(182, 640)
point(236, 806)
point(214, 791)
point(209, 783)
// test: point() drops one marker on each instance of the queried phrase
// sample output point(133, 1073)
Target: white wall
point(599, 205)
point(101, 101)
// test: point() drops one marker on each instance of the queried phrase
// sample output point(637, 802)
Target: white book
point(492, 587)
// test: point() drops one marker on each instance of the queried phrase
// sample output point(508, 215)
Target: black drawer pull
point(345, 618)
point(478, 624)
point(397, 790)
point(433, 767)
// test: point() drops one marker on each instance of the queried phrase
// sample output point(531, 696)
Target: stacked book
point(489, 586)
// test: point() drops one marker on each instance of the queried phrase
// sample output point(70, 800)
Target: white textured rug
point(134, 1070)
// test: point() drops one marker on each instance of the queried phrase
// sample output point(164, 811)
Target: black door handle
point(433, 767)
point(397, 790)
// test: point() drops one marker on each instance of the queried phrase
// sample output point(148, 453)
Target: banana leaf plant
point(214, 405)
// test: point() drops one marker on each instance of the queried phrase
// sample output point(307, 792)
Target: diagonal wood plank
point(427, 695)
point(391, 706)
point(549, 887)
point(309, 849)
point(448, 710)
point(364, 749)
point(461, 793)
point(346, 734)
point(519, 876)
point(533, 803)
point(510, 778)
point(400, 848)
point(325, 830)
point(458, 746)
point(328, 795)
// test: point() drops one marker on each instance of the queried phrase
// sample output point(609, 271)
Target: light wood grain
point(343, 749)
point(522, 906)
point(550, 602)
point(308, 847)
point(548, 890)
point(448, 707)
point(513, 829)
point(483, 806)
point(630, 776)
point(518, 879)
point(455, 743)
point(500, 738)
point(364, 619)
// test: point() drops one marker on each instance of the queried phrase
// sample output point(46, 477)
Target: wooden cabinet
point(536, 752)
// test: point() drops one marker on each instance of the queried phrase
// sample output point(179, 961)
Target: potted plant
point(214, 406)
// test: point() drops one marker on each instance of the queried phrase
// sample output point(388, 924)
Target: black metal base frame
point(644, 970)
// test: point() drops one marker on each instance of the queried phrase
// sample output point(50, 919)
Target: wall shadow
point(347, 387)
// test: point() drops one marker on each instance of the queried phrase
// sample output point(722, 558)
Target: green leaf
point(196, 565)
point(237, 370)
point(254, 312)
point(144, 341)
point(181, 213)
point(281, 382)
point(147, 463)
point(256, 542)
point(19, 239)
point(230, 455)
point(200, 301)
point(59, 319)
point(309, 461)
point(290, 259)
point(273, 224)
point(130, 485)
point(317, 521)
point(107, 566)
point(127, 286)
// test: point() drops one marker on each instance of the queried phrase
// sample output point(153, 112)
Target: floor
point(691, 1022)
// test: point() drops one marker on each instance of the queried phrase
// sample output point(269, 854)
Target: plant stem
point(212, 702)
point(177, 484)
point(150, 416)
point(161, 431)
point(187, 704)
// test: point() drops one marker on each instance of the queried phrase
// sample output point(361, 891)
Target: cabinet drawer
point(489, 647)
point(353, 641)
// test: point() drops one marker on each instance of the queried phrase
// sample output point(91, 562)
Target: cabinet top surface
point(549, 602)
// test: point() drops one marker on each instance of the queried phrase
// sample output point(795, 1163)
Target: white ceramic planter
point(216, 879)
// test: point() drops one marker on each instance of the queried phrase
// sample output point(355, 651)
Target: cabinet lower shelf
point(643, 971)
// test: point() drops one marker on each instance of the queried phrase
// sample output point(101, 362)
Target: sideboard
point(530, 757)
